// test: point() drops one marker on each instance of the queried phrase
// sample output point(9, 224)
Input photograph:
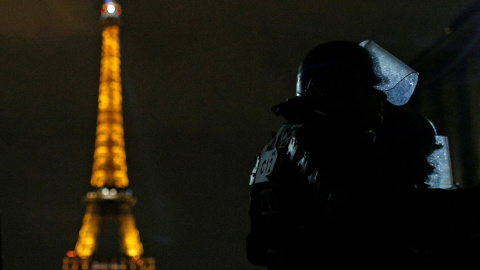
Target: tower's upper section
point(109, 165)
point(111, 10)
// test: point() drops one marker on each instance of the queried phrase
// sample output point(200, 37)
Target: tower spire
point(109, 166)
point(109, 204)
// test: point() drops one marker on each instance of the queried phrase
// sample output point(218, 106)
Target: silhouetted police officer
point(314, 202)
point(428, 220)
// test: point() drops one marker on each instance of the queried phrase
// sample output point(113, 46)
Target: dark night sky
point(198, 81)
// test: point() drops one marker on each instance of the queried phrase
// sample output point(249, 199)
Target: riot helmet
point(334, 67)
point(410, 151)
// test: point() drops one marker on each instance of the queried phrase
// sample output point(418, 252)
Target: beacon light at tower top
point(111, 10)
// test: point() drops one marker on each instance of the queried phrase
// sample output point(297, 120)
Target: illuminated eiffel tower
point(109, 203)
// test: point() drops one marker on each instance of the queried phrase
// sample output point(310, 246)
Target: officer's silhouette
point(402, 149)
point(403, 145)
point(433, 227)
point(314, 199)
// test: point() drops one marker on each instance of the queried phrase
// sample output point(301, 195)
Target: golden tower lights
point(109, 198)
point(109, 166)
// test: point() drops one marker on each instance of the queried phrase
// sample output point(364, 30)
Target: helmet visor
point(440, 160)
point(398, 80)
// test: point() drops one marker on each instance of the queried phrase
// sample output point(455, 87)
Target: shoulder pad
point(283, 136)
point(269, 156)
point(264, 167)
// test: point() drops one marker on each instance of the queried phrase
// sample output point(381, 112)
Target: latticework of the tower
point(100, 206)
point(109, 199)
point(109, 166)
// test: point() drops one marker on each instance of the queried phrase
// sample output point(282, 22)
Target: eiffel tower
point(108, 238)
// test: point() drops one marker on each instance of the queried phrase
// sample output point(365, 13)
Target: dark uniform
point(309, 195)
point(323, 196)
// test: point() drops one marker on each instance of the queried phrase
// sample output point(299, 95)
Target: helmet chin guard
point(398, 81)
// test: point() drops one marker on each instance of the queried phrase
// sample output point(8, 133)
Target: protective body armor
point(304, 186)
point(319, 198)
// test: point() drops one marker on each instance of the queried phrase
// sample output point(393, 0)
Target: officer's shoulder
point(286, 132)
point(303, 134)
